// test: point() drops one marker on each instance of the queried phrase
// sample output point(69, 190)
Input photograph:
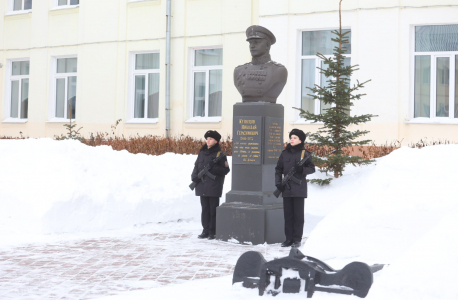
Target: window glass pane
point(71, 97)
point(25, 67)
point(436, 38)
point(422, 86)
point(153, 95)
point(61, 65)
point(139, 105)
point(320, 41)
point(67, 65)
point(14, 98)
point(24, 98)
point(60, 97)
point(16, 68)
point(209, 57)
point(27, 4)
point(17, 5)
point(74, 2)
point(199, 94)
point(456, 86)
point(147, 61)
point(215, 97)
point(20, 68)
point(62, 2)
point(442, 86)
point(308, 81)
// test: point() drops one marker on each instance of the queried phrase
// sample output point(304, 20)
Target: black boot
point(296, 244)
point(287, 243)
point(203, 235)
point(211, 237)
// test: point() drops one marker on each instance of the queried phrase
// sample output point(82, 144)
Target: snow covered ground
point(399, 211)
point(50, 187)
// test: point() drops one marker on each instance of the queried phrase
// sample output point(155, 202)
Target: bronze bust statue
point(262, 79)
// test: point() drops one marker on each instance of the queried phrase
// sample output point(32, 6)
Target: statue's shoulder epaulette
point(248, 63)
point(275, 63)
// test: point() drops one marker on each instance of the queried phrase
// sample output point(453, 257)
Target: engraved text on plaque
point(246, 143)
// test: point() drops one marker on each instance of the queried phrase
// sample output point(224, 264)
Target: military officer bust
point(262, 79)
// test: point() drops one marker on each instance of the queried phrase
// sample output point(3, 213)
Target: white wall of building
point(382, 46)
point(104, 35)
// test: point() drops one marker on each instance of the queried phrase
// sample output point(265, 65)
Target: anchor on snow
point(298, 272)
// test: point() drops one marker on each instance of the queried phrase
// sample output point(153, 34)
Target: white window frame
point(131, 88)
point(57, 6)
point(55, 76)
point(10, 6)
point(9, 79)
point(193, 69)
point(301, 120)
point(434, 55)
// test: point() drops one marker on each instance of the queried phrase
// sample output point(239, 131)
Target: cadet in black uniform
point(293, 199)
point(210, 190)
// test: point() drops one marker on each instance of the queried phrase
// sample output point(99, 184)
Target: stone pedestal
point(251, 213)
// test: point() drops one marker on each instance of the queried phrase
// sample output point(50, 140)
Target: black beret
point(213, 134)
point(299, 133)
point(259, 32)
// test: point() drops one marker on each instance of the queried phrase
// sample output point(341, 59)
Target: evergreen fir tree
point(338, 92)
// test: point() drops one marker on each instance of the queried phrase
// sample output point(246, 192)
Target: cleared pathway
point(92, 268)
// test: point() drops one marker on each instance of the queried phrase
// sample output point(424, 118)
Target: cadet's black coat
point(210, 188)
point(288, 159)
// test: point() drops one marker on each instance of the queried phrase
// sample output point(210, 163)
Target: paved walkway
point(92, 268)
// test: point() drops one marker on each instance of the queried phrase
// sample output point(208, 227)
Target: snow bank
point(49, 186)
point(402, 211)
point(392, 203)
point(427, 269)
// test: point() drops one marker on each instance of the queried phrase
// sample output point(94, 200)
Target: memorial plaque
point(247, 138)
point(273, 139)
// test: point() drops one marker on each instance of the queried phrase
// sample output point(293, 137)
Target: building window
point(19, 5)
point(146, 86)
point(314, 42)
point(436, 71)
point(65, 80)
point(67, 2)
point(19, 93)
point(207, 82)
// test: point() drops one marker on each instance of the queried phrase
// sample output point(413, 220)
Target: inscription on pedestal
point(273, 139)
point(247, 138)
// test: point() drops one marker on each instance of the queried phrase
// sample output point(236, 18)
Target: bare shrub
point(152, 144)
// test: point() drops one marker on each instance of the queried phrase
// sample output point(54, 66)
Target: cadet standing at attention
point(293, 199)
point(210, 190)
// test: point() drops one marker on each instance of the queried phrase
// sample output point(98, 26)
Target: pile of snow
point(49, 186)
point(401, 211)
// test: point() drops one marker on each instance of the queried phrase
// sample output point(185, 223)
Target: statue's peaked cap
point(259, 32)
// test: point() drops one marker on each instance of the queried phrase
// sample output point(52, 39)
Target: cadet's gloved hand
point(280, 187)
point(211, 164)
point(299, 169)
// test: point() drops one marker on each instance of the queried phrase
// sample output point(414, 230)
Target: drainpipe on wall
point(167, 70)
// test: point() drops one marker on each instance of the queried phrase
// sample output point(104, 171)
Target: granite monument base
point(251, 213)
point(250, 224)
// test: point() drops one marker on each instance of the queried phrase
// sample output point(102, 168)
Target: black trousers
point(208, 217)
point(293, 208)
